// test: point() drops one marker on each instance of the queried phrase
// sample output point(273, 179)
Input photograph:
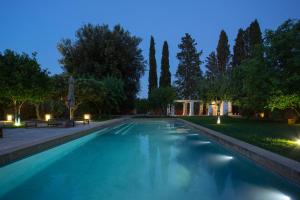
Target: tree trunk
point(37, 111)
point(72, 111)
point(296, 111)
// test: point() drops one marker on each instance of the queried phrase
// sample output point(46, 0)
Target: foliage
point(223, 52)
point(283, 55)
point(142, 106)
point(212, 70)
point(100, 52)
point(87, 90)
point(114, 96)
point(239, 49)
point(161, 97)
point(165, 74)
point(188, 71)
point(284, 102)
point(257, 85)
point(218, 88)
point(22, 80)
point(252, 38)
point(152, 67)
point(255, 36)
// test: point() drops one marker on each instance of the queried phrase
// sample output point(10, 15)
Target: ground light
point(219, 120)
point(9, 117)
point(87, 117)
point(47, 117)
point(17, 122)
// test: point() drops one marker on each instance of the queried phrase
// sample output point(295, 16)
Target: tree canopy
point(22, 79)
point(165, 74)
point(239, 49)
point(152, 67)
point(161, 97)
point(188, 71)
point(223, 52)
point(100, 52)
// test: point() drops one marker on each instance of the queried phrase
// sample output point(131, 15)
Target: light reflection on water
point(147, 160)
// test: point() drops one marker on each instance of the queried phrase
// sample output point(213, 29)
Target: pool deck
point(21, 142)
point(280, 165)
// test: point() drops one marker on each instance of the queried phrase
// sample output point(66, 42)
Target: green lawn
point(274, 136)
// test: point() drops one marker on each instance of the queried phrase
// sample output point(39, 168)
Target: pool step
point(123, 128)
point(128, 128)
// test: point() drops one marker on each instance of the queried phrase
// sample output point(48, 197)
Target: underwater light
point(224, 158)
point(202, 142)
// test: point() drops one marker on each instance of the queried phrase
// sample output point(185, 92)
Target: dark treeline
point(262, 74)
point(106, 63)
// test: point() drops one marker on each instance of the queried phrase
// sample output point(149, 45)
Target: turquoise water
point(143, 159)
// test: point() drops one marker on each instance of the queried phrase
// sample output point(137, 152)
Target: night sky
point(38, 25)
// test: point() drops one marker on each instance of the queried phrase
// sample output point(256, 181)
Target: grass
point(274, 136)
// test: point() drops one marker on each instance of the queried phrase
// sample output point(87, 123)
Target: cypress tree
point(252, 38)
point(239, 49)
point(188, 71)
point(152, 68)
point(223, 52)
point(212, 69)
point(165, 75)
point(255, 36)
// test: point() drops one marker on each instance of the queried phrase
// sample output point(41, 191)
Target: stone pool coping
point(276, 163)
point(24, 150)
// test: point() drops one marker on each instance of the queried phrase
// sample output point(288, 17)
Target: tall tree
point(283, 57)
point(99, 51)
point(165, 75)
point(223, 52)
point(212, 69)
point(252, 39)
point(188, 71)
point(152, 67)
point(239, 49)
point(255, 36)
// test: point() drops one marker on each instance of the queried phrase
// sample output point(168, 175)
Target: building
point(197, 107)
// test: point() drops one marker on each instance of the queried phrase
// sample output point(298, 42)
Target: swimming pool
point(141, 159)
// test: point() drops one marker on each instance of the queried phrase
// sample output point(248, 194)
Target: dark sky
point(38, 25)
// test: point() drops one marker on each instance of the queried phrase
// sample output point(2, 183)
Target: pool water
point(141, 159)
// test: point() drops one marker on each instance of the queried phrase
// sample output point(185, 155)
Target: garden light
point(87, 117)
point(47, 117)
point(9, 117)
point(219, 120)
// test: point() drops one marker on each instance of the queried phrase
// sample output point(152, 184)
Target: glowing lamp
point(87, 117)
point(17, 123)
point(298, 142)
point(9, 117)
point(219, 120)
point(47, 117)
point(262, 115)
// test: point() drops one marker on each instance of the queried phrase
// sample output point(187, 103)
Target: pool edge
point(21, 152)
point(280, 165)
